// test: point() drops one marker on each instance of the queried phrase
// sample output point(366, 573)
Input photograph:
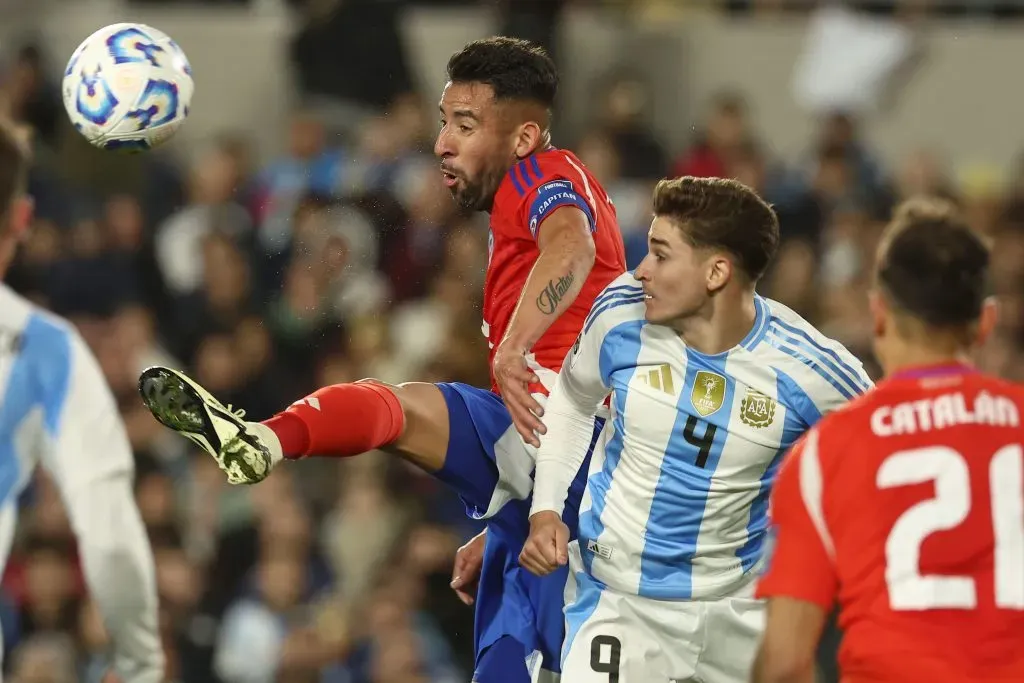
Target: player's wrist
point(517, 343)
point(544, 515)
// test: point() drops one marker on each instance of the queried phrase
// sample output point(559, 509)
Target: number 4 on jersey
point(947, 468)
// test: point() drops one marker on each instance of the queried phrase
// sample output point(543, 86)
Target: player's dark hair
point(932, 266)
point(13, 167)
point(514, 68)
point(720, 213)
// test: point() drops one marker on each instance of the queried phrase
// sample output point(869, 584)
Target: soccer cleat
point(246, 451)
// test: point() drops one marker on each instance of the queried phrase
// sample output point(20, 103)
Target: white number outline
point(947, 468)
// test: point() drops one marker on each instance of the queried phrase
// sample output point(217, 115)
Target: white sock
point(269, 439)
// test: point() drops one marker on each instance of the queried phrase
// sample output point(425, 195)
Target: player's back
point(922, 497)
point(531, 191)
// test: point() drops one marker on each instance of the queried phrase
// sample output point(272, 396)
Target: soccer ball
point(127, 87)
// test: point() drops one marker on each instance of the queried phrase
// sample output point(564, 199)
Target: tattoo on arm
point(555, 291)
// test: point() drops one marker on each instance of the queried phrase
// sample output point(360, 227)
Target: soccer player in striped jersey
point(554, 246)
point(58, 412)
point(710, 384)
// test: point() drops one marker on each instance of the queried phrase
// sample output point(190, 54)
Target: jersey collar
point(940, 370)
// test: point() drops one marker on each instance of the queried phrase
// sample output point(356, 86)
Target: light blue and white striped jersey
point(676, 501)
point(57, 410)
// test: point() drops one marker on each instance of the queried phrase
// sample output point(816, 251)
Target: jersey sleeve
point(816, 388)
point(545, 188)
point(87, 440)
point(801, 559)
point(580, 390)
point(87, 453)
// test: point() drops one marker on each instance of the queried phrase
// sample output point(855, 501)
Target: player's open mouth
point(449, 179)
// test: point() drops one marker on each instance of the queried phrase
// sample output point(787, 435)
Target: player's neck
point(911, 357)
point(721, 325)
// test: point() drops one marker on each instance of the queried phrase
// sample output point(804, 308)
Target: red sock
point(339, 421)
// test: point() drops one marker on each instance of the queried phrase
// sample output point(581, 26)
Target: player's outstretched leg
point(342, 420)
point(246, 451)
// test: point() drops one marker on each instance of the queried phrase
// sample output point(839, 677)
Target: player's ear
point(879, 313)
point(719, 273)
point(21, 217)
point(987, 320)
point(528, 139)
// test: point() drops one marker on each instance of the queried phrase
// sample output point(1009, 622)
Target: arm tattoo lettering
point(555, 291)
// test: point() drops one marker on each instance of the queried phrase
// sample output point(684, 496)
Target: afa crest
point(756, 409)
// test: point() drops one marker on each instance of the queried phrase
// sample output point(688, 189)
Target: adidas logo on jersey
point(311, 401)
point(602, 551)
point(659, 378)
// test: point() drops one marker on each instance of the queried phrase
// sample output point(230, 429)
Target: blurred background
point(295, 234)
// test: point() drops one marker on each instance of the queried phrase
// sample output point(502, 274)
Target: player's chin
point(652, 312)
point(464, 199)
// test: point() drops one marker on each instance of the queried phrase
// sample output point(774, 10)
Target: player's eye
point(463, 128)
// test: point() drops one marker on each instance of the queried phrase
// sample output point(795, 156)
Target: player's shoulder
point(38, 330)
point(41, 347)
point(798, 347)
point(782, 321)
point(544, 173)
point(983, 381)
point(620, 302)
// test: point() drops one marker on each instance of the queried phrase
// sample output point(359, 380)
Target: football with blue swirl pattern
point(128, 87)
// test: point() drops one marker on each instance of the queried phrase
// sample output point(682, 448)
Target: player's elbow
point(584, 249)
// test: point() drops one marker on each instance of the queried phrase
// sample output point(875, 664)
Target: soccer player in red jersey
point(554, 246)
point(907, 506)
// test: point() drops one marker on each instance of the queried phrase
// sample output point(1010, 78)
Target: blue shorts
point(503, 661)
point(510, 602)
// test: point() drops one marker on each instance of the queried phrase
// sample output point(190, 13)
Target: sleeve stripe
point(815, 353)
point(609, 292)
point(615, 303)
point(801, 355)
point(856, 378)
point(812, 491)
point(612, 293)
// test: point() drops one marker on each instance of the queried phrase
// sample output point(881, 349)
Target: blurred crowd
point(344, 258)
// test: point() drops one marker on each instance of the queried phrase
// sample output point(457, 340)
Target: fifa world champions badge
point(708, 393)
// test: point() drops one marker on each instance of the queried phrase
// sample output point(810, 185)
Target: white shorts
point(614, 637)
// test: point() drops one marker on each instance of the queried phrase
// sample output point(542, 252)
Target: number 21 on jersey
point(947, 468)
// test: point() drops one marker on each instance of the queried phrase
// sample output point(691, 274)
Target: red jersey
point(531, 192)
point(908, 507)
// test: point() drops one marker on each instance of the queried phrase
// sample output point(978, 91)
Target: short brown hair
point(720, 213)
point(931, 265)
point(13, 166)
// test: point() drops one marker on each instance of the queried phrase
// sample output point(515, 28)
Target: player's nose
point(442, 145)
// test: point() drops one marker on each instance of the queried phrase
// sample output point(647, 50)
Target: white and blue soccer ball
point(128, 87)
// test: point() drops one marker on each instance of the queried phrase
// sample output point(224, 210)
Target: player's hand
point(547, 548)
point(466, 572)
point(514, 377)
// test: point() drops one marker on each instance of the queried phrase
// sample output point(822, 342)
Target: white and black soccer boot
point(245, 451)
